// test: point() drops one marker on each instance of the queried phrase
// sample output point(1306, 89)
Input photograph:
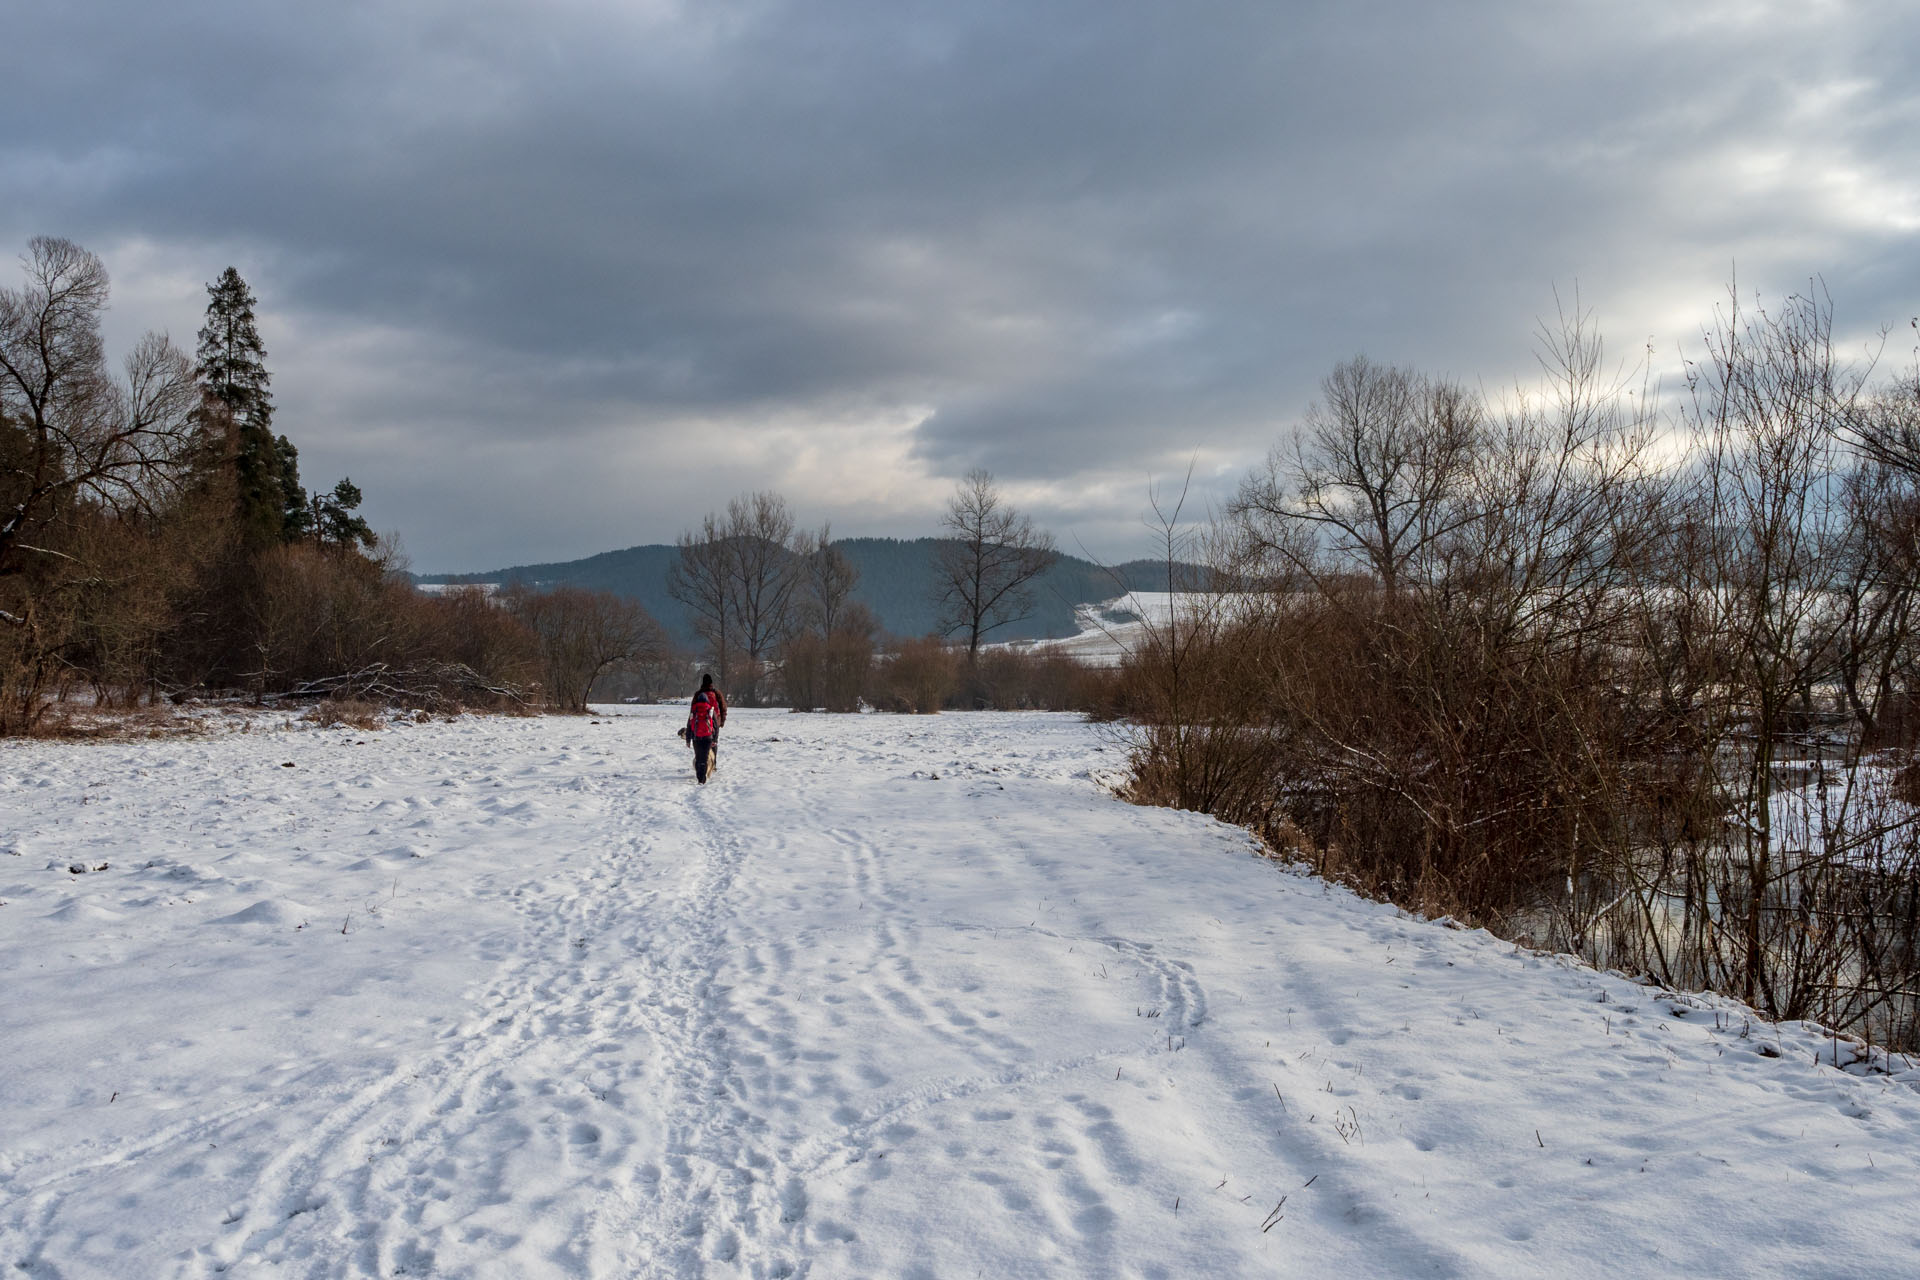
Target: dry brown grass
point(351, 713)
point(74, 722)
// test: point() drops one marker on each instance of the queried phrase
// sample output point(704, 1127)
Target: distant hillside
point(639, 573)
point(896, 580)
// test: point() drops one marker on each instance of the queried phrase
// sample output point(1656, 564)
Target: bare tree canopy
point(69, 431)
point(740, 576)
point(827, 578)
point(987, 567)
point(826, 662)
point(1886, 425)
point(700, 578)
point(1376, 472)
point(766, 579)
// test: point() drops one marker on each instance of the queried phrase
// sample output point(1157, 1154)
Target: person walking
point(708, 713)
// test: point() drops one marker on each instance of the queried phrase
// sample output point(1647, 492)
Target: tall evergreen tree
point(232, 369)
point(233, 360)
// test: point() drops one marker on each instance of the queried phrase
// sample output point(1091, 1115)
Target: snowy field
point(891, 998)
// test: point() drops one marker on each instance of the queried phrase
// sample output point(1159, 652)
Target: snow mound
point(83, 910)
point(268, 911)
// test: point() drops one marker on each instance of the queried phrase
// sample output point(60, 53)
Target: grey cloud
point(1086, 236)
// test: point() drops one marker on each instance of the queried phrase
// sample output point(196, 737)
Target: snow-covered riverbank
point(892, 997)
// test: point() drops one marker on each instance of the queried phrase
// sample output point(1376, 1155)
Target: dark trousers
point(706, 753)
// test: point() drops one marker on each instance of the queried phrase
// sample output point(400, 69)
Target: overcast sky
point(553, 279)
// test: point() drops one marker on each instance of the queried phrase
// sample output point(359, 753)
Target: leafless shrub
point(1204, 735)
point(465, 625)
point(316, 614)
point(582, 634)
point(331, 623)
point(666, 675)
point(926, 675)
point(919, 676)
point(1042, 679)
point(830, 670)
point(1506, 667)
point(84, 722)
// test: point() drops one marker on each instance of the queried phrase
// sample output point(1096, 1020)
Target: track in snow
point(891, 997)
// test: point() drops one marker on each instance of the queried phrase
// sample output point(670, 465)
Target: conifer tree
point(232, 369)
point(296, 516)
point(331, 518)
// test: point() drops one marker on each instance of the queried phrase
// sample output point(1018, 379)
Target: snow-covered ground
point(892, 997)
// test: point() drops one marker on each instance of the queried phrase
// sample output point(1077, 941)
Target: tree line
point(157, 543)
point(1620, 673)
point(144, 511)
point(770, 600)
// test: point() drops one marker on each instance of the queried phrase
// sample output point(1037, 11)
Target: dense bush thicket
point(925, 676)
point(1631, 684)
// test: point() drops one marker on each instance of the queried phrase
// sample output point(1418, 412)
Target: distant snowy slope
point(892, 997)
point(1113, 629)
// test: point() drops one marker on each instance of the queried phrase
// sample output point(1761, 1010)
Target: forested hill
point(896, 582)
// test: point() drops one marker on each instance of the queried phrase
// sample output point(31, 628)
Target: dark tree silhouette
point(987, 566)
point(233, 371)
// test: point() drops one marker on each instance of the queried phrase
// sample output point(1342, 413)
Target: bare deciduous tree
point(1449, 583)
point(828, 578)
point(1375, 474)
point(987, 566)
point(740, 575)
point(78, 447)
point(583, 633)
point(1879, 589)
point(69, 432)
point(1652, 705)
point(701, 578)
point(766, 576)
point(1886, 426)
point(825, 662)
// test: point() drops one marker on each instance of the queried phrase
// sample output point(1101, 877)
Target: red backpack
point(701, 724)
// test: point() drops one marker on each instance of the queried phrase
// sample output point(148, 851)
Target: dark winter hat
point(706, 679)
